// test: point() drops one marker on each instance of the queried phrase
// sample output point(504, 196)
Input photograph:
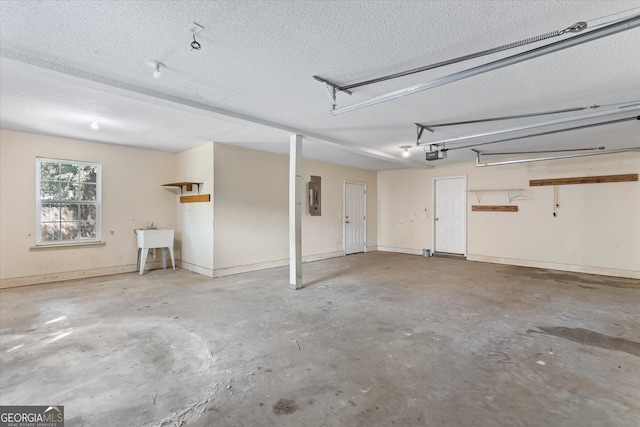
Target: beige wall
point(323, 235)
point(131, 184)
point(194, 235)
point(404, 210)
point(252, 216)
point(597, 229)
point(248, 209)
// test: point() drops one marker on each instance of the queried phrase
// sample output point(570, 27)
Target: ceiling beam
point(98, 82)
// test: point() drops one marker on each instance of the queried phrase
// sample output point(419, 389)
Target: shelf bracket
point(182, 185)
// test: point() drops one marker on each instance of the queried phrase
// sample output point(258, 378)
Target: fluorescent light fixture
point(605, 31)
point(596, 114)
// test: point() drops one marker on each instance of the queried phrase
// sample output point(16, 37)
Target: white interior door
point(450, 215)
point(354, 218)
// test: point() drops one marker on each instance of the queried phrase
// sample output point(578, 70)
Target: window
point(68, 202)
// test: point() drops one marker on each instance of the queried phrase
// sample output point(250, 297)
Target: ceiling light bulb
point(156, 66)
point(95, 125)
point(406, 152)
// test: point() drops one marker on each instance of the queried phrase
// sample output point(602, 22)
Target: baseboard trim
point(320, 257)
point(41, 279)
point(227, 271)
point(400, 250)
point(631, 274)
point(198, 269)
point(237, 269)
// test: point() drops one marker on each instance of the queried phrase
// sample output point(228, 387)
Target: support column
point(295, 212)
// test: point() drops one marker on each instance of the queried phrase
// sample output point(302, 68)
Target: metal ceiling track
point(543, 159)
point(551, 132)
point(334, 88)
point(632, 109)
point(421, 128)
point(608, 30)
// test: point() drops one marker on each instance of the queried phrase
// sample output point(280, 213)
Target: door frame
point(344, 213)
point(433, 205)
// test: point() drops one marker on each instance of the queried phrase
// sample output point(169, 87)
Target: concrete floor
point(372, 340)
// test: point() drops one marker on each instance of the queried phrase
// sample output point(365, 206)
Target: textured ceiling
point(64, 63)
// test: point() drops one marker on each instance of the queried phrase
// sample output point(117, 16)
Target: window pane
point(68, 190)
point(50, 190)
point(87, 192)
point(49, 212)
point(49, 231)
point(49, 171)
point(88, 173)
point(69, 212)
point(68, 172)
point(88, 212)
point(88, 230)
point(69, 201)
point(69, 231)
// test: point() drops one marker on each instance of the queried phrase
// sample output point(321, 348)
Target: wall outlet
point(132, 216)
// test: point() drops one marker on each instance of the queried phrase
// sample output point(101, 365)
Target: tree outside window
point(68, 199)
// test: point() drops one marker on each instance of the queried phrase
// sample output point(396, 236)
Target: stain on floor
point(595, 339)
point(285, 407)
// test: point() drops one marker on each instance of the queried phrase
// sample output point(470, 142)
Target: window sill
point(66, 246)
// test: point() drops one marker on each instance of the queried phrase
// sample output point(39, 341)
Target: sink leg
point(164, 258)
point(173, 261)
point(143, 259)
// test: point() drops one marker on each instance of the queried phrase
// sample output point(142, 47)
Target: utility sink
point(151, 239)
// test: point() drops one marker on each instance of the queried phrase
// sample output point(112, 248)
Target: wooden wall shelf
point(195, 198)
point(189, 185)
point(584, 180)
point(494, 208)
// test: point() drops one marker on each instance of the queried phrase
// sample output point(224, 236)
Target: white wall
point(252, 216)
point(597, 229)
point(131, 184)
point(194, 235)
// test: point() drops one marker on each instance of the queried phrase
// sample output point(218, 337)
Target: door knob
point(346, 222)
point(436, 219)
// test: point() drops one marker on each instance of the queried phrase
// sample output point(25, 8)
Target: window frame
point(40, 201)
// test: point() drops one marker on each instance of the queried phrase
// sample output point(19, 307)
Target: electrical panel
point(315, 196)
